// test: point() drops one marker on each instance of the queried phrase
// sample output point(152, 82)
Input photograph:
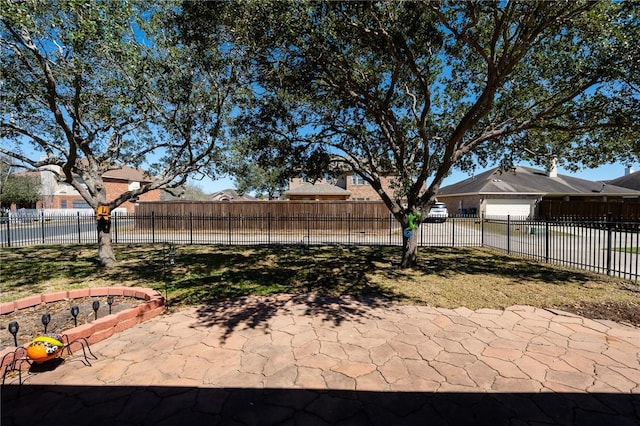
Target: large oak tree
point(416, 89)
point(93, 86)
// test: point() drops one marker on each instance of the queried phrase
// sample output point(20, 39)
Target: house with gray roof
point(338, 185)
point(630, 180)
point(230, 195)
point(527, 192)
point(316, 191)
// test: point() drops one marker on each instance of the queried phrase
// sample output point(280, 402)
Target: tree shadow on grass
point(26, 267)
point(212, 275)
point(319, 280)
point(446, 262)
point(274, 271)
point(318, 285)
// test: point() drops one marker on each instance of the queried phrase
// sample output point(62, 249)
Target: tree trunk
point(410, 250)
point(105, 250)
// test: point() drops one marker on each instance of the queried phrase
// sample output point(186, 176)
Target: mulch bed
point(615, 311)
point(30, 319)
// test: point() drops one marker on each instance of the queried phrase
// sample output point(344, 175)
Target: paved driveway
point(318, 360)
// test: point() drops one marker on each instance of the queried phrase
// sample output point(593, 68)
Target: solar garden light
point(95, 306)
point(172, 256)
point(74, 313)
point(169, 260)
point(110, 302)
point(13, 329)
point(169, 254)
point(46, 319)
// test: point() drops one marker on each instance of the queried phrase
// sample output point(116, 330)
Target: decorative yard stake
point(13, 329)
point(168, 262)
point(74, 313)
point(110, 302)
point(95, 306)
point(46, 319)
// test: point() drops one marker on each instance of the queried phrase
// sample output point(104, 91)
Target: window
point(80, 204)
point(358, 180)
point(63, 204)
point(328, 178)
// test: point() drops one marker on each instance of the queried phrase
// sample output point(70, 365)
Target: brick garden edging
point(101, 328)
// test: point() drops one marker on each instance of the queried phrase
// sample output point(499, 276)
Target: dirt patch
point(30, 319)
point(615, 311)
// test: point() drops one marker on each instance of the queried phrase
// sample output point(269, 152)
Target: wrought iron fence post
point(115, 227)
point(153, 227)
point(482, 230)
point(229, 228)
point(8, 217)
point(609, 240)
point(78, 223)
point(269, 228)
point(349, 228)
point(191, 228)
point(390, 225)
point(42, 225)
point(508, 234)
point(453, 232)
point(546, 240)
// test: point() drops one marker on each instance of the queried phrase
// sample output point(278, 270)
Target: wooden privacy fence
point(264, 208)
point(618, 209)
point(264, 215)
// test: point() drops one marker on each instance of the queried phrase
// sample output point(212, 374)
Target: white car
point(438, 213)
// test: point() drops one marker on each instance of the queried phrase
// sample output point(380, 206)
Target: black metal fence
point(604, 246)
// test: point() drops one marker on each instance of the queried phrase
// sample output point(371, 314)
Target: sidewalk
point(319, 360)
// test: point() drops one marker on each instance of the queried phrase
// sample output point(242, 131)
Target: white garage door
point(513, 208)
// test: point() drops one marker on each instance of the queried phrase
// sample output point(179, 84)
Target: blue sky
point(606, 172)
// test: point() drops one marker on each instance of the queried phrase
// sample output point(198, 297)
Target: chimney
point(628, 170)
point(552, 167)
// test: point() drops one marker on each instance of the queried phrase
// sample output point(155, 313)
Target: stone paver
point(296, 360)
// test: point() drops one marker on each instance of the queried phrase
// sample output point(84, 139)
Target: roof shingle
point(631, 181)
point(317, 189)
point(525, 180)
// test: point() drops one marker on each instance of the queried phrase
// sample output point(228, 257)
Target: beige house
point(527, 192)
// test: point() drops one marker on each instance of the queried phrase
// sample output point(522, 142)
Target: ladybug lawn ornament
point(44, 348)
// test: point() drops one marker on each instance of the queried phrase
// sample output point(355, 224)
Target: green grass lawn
point(634, 250)
point(446, 277)
point(515, 228)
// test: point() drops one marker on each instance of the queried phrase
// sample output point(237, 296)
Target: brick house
point(60, 195)
point(342, 187)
